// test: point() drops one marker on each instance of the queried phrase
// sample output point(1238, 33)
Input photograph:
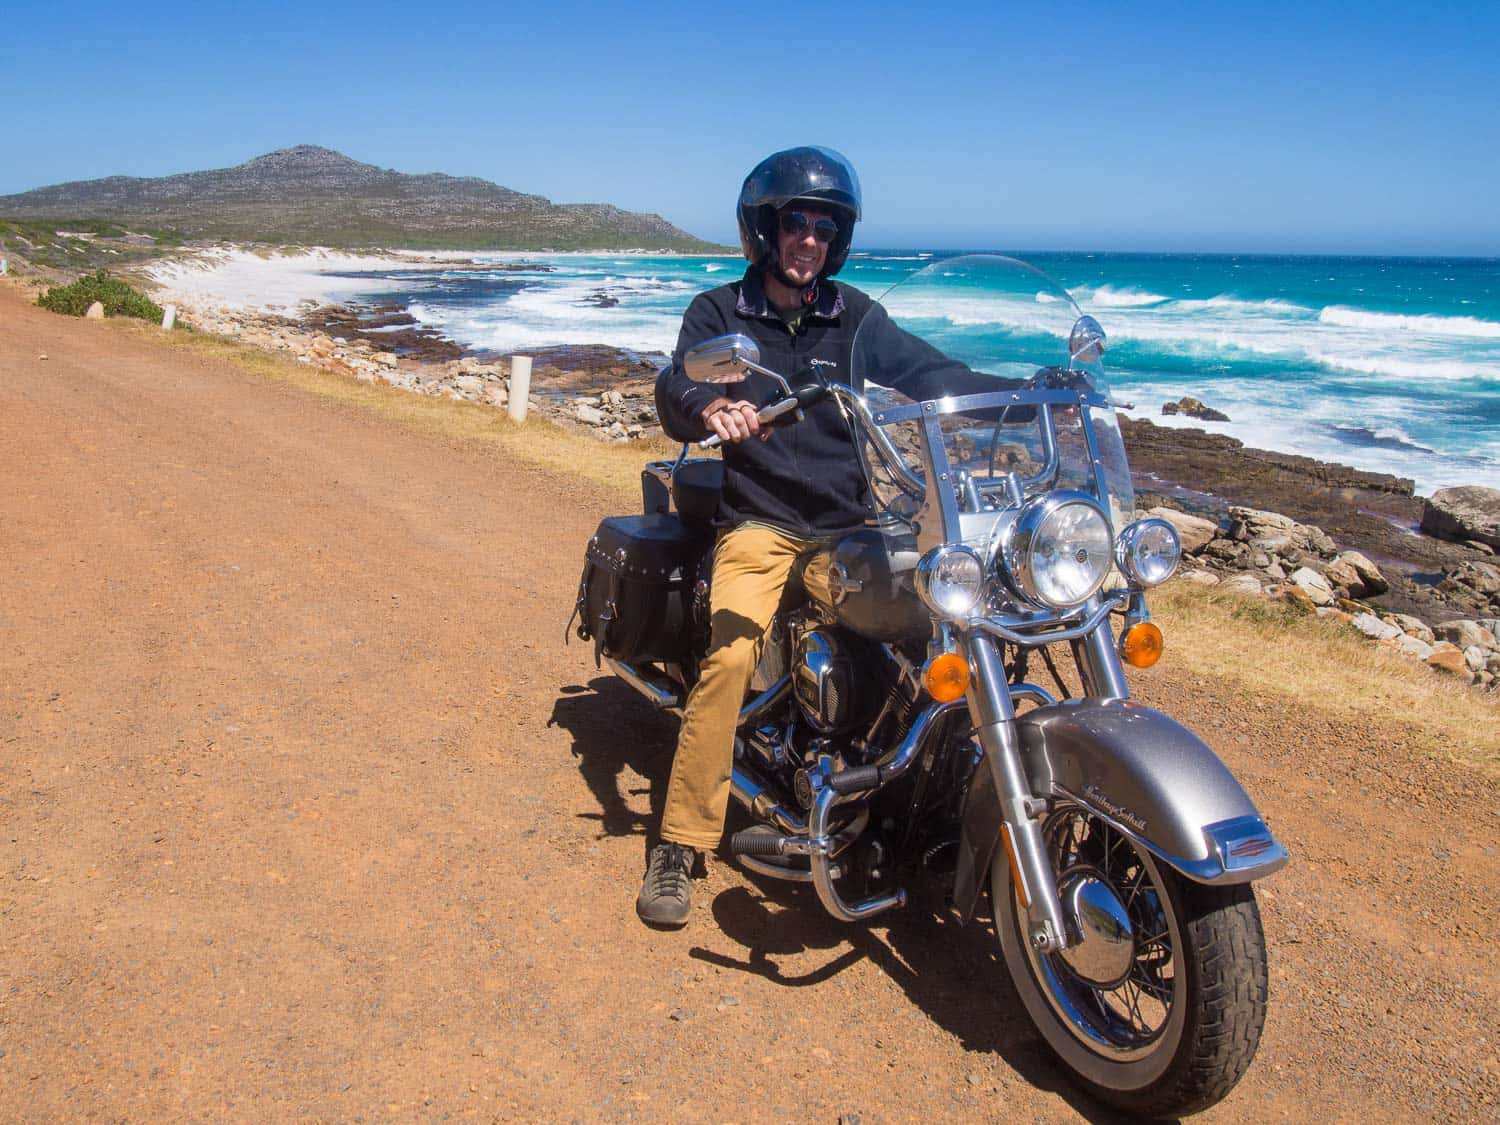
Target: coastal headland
point(309, 812)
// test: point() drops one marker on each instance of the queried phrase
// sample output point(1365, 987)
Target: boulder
point(1464, 633)
point(1194, 408)
point(1411, 646)
point(1371, 626)
point(1476, 658)
point(1257, 518)
point(1226, 550)
point(1194, 532)
point(1370, 577)
point(1272, 544)
point(1449, 658)
point(589, 415)
point(1472, 584)
point(1242, 584)
point(95, 312)
point(1343, 576)
point(1411, 626)
point(1317, 587)
point(1470, 511)
point(470, 386)
point(1295, 595)
point(1318, 540)
point(1200, 577)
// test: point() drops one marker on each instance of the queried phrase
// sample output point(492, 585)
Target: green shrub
point(118, 298)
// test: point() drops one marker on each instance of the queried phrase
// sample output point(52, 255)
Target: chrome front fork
point(994, 719)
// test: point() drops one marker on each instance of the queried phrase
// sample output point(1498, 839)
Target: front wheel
point(1159, 1009)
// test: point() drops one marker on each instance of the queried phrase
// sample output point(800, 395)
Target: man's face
point(802, 254)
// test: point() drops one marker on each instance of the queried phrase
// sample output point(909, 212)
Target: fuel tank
point(870, 581)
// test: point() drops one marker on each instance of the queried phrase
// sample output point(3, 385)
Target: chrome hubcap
point(1105, 948)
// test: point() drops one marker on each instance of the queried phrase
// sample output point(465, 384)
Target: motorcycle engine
point(832, 679)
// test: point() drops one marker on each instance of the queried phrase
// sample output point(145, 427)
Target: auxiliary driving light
point(1148, 552)
point(950, 580)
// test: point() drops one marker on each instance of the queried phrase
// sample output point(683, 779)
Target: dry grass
point(1321, 665)
point(616, 466)
point(1269, 648)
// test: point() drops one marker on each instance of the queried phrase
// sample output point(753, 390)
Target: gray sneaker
point(666, 897)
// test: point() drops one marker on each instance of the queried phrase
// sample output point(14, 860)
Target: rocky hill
point(314, 195)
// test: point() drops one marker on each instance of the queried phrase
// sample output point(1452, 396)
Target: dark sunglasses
point(795, 222)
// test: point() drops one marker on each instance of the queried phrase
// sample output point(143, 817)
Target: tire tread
point(1232, 987)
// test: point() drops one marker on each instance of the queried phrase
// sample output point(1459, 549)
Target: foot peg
point(759, 842)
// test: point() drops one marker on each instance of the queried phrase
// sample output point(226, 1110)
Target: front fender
point(1144, 773)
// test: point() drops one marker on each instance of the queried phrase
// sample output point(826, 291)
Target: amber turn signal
point(947, 677)
point(1141, 645)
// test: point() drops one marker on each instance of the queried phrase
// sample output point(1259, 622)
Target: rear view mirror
point(723, 359)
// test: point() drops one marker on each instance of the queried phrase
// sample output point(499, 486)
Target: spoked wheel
point(1159, 1008)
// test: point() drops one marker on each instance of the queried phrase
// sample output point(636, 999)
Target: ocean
point(1386, 364)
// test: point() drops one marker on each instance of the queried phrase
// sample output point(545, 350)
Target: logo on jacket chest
point(824, 363)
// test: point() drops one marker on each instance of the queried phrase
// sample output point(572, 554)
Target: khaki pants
point(752, 567)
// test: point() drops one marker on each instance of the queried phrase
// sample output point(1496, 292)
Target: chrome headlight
point(1148, 552)
point(950, 580)
point(1059, 550)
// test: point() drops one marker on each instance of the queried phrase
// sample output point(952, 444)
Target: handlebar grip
point(856, 780)
point(765, 416)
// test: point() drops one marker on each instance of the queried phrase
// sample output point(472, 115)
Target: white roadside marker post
point(520, 386)
point(169, 316)
point(4, 266)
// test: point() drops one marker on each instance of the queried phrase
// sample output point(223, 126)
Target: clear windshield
point(993, 324)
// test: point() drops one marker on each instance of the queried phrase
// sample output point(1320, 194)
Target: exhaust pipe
point(753, 796)
point(661, 692)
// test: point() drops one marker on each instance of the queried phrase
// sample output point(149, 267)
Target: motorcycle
point(891, 731)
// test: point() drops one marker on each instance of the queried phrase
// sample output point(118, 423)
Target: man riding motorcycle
point(787, 494)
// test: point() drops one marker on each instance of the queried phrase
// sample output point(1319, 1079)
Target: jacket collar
point(753, 301)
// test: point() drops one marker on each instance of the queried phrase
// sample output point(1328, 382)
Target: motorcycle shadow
point(614, 728)
point(953, 973)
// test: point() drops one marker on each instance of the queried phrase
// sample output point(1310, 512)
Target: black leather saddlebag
point(635, 596)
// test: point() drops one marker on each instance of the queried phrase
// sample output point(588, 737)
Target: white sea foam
point(1284, 416)
point(1108, 297)
point(1228, 301)
point(1467, 327)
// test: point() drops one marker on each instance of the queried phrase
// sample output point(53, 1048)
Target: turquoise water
point(1388, 364)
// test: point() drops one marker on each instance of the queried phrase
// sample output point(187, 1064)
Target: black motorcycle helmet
point(810, 174)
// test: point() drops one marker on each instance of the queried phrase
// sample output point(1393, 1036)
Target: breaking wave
point(1463, 327)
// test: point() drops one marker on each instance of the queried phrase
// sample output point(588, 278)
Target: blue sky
point(1311, 127)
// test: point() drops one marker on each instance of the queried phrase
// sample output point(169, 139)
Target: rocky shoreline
point(1336, 540)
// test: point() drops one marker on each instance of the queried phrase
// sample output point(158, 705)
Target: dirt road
point(306, 812)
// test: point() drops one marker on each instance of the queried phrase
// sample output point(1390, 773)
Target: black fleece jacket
point(806, 477)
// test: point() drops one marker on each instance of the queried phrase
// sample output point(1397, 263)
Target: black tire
point(1197, 965)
